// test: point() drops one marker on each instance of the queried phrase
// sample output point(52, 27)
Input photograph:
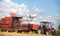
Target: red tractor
point(47, 28)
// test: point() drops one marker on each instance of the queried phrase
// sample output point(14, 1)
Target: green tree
point(59, 27)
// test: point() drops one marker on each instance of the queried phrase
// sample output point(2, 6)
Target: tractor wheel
point(20, 31)
point(48, 32)
point(39, 31)
point(53, 32)
point(42, 31)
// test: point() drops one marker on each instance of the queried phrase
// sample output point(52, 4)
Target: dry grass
point(20, 34)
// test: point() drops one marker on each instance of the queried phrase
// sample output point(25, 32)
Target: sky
point(47, 10)
point(50, 7)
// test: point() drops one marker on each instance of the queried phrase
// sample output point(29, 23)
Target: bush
point(58, 32)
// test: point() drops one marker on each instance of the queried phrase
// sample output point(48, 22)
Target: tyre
point(5, 30)
point(9, 31)
point(48, 32)
point(2, 30)
point(19, 31)
point(42, 31)
point(53, 32)
point(39, 31)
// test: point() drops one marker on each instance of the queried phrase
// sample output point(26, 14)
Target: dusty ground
point(20, 34)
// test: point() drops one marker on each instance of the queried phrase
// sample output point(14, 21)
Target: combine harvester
point(14, 23)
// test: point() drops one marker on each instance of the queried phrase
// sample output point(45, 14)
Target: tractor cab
point(46, 24)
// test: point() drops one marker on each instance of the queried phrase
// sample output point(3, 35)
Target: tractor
point(46, 28)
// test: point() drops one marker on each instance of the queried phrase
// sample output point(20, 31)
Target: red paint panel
point(35, 27)
point(9, 20)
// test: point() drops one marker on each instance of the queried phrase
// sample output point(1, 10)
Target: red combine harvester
point(14, 24)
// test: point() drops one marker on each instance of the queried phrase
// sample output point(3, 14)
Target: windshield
point(47, 24)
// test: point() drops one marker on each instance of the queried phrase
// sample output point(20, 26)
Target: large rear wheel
point(53, 32)
point(42, 31)
point(48, 32)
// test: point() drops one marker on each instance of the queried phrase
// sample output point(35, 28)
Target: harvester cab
point(16, 21)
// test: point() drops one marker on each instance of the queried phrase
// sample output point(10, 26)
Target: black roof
point(45, 22)
point(17, 17)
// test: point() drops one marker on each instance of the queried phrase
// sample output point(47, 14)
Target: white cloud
point(56, 19)
point(7, 7)
point(57, 16)
point(50, 19)
point(6, 0)
point(37, 10)
point(44, 18)
point(24, 9)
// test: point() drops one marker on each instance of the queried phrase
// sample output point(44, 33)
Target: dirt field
point(20, 34)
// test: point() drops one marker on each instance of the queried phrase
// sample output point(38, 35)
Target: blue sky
point(50, 6)
point(51, 9)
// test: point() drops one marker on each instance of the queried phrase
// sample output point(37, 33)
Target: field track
point(20, 34)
